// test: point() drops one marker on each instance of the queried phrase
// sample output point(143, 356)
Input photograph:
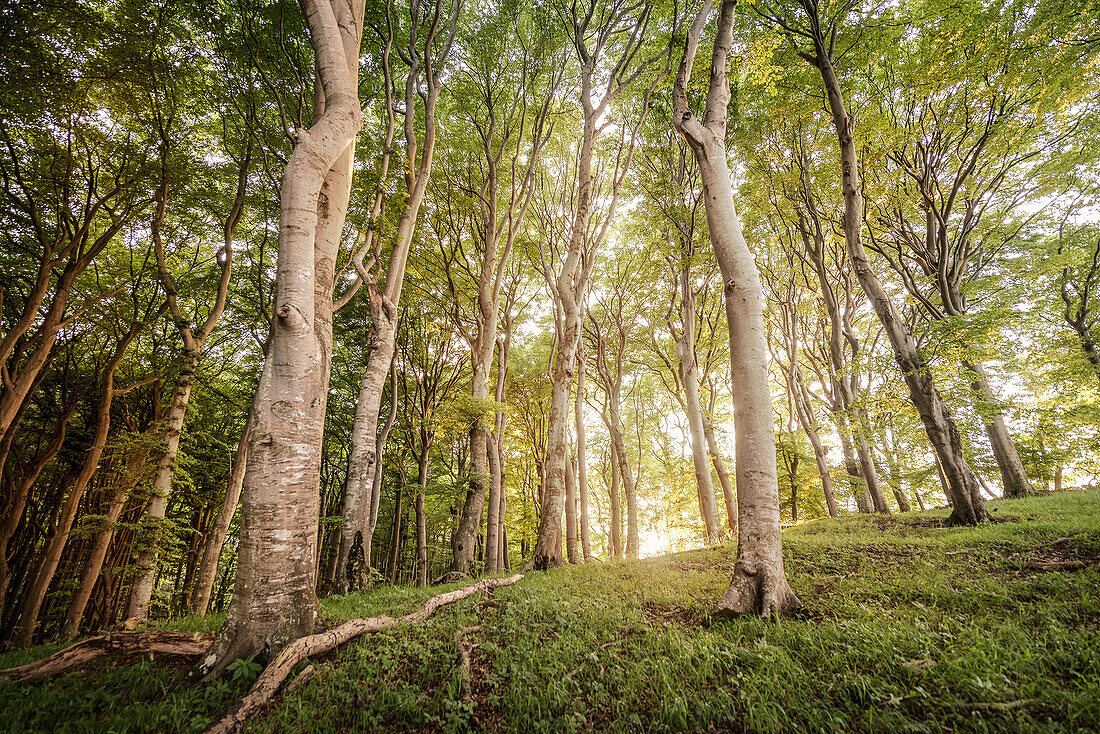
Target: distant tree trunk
point(582, 464)
point(961, 485)
point(616, 511)
point(16, 500)
point(759, 583)
point(689, 377)
point(211, 555)
point(571, 550)
point(395, 527)
point(723, 476)
point(101, 543)
point(35, 592)
point(359, 515)
point(1013, 477)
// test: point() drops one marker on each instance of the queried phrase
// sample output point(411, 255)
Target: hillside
point(907, 626)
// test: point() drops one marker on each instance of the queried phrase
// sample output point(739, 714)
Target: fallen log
point(117, 643)
point(304, 647)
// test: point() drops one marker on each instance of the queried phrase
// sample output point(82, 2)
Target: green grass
point(908, 626)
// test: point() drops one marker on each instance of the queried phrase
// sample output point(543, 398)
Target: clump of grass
point(909, 626)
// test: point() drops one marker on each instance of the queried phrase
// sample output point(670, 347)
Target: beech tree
point(759, 584)
point(274, 595)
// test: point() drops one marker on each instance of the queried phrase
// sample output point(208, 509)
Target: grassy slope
point(908, 627)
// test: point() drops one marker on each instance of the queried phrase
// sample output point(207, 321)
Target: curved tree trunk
point(360, 503)
point(98, 553)
point(27, 619)
point(274, 595)
point(689, 377)
point(1013, 477)
point(759, 583)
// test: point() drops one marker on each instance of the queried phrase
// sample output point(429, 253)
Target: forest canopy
point(301, 298)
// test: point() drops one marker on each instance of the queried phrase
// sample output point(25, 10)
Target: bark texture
point(274, 594)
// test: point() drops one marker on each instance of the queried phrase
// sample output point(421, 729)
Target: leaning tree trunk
point(212, 553)
point(689, 376)
point(759, 583)
point(1013, 477)
point(723, 476)
point(141, 593)
point(274, 595)
point(100, 545)
point(35, 593)
point(960, 483)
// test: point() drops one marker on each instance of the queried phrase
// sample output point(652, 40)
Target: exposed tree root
point(118, 643)
point(276, 672)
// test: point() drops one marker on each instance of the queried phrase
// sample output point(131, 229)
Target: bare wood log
point(176, 643)
point(276, 672)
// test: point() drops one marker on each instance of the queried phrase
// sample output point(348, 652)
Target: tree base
point(760, 592)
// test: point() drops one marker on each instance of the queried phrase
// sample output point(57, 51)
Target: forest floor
point(908, 626)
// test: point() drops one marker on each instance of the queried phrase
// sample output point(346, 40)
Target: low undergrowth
point(908, 626)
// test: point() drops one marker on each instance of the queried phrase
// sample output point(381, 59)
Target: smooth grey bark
point(501, 211)
point(759, 584)
point(1013, 477)
point(615, 541)
point(959, 481)
point(572, 552)
point(628, 24)
point(274, 597)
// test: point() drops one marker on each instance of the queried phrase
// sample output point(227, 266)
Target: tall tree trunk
point(395, 527)
point(359, 503)
point(689, 376)
point(141, 593)
point(17, 501)
point(759, 583)
point(421, 521)
point(274, 597)
point(35, 592)
point(961, 485)
point(212, 552)
point(616, 511)
point(571, 551)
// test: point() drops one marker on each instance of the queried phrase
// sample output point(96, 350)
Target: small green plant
point(244, 670)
